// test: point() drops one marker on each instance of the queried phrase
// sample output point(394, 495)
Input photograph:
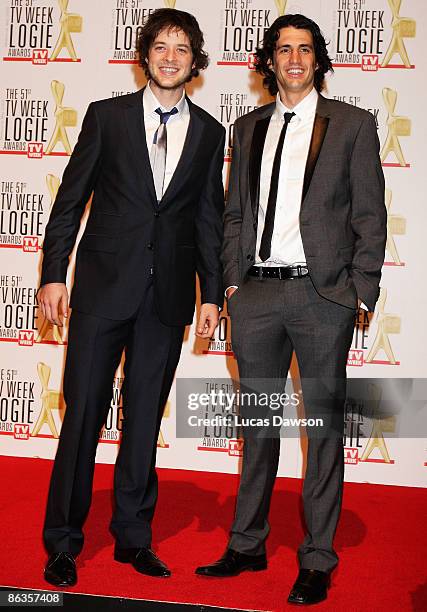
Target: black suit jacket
point(127, 230)
point(343, 219)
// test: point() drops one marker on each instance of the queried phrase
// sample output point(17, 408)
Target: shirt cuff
point(230, 287)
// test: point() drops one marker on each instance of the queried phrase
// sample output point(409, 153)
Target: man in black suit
point(153, 161)
point(304, 241)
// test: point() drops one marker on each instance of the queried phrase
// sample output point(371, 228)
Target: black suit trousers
point(95, 347)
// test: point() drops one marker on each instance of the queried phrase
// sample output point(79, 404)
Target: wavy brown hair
point(172, 19)
point(264, 55)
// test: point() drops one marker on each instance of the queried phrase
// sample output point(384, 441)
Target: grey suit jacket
point(343, 219)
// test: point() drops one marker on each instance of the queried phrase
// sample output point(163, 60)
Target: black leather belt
point(283, 273)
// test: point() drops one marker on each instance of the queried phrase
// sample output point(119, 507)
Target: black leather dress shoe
point(310, 587)
point(143, 560)
point(233, 563)
point(61, 570)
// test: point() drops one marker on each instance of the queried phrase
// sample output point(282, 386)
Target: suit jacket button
point(250, 257)
point(157, 214)
point(150, 246)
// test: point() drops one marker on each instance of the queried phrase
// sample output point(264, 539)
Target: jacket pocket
point(98, 242)
point(104, 221)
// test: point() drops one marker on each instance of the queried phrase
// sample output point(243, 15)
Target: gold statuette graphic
point(281, 6)
point(65, 117)
point(170, 3)
point(166, 414)
point(70, 22)
point(379, 426)
point(396, 225)
point(44, 330)
point(52, 183)
point(397, 126)
point(402, 28)
point(386, 324)
point(51, 400)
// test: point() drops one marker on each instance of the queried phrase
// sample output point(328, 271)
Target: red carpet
point(382, 542)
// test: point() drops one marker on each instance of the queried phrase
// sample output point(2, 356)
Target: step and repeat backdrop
point(59, 55)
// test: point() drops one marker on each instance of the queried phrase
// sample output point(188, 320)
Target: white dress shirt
point(177, 127)
point(286, 245)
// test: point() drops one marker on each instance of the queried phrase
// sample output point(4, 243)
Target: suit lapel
point(134, 116)
point(255, 159)
point(189, 150)
point(320, 127)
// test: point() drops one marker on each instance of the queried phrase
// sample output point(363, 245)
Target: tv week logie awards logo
point(232, 105)
point(40, 32)
point(364, 440)
point(24, 210)
point(128, 17)
point(222, 438)
point(243, 25)
point(32, 125)
point(371, 38)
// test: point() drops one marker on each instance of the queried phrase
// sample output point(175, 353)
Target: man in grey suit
point(305, 234)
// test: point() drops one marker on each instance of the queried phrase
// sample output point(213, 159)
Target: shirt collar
point(151, 103)
point(304, 110)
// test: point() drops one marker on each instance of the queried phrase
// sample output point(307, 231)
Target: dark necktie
point(267, 234)
point(159, 151)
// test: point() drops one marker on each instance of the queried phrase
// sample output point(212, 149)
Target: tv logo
point(26, 337)
point(251, 61)
point(39, 57)
point(351, 456)
point(355, 358)
point(235, 448)
point(370, 63)
point(21, 432)
point(30, 244)
point(35, 150)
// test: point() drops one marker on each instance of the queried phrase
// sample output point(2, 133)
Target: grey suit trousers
point(271, 318)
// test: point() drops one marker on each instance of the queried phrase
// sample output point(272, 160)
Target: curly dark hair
point(265, 54)
point(172, 19)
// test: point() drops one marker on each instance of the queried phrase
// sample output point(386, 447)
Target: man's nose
point(295, 56)
point(170, 54)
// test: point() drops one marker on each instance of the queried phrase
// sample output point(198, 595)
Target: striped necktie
point(159, 151)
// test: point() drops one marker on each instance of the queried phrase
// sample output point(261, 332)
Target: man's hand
point(208, 320)
point(53, 300)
